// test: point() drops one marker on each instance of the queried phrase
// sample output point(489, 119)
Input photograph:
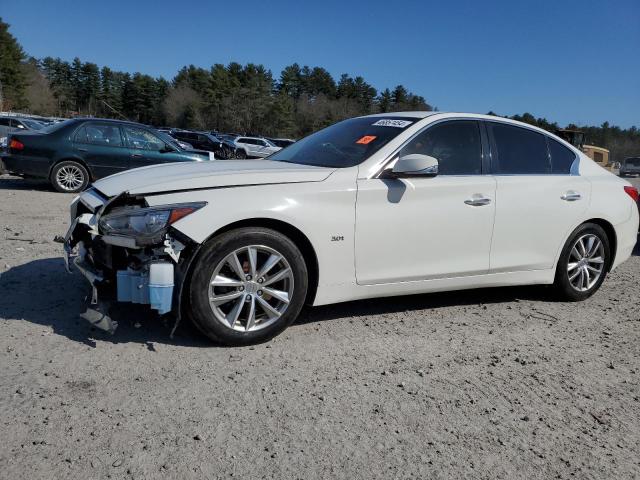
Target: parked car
point(256, 147)
point(208, 142)
point(72, 153)
point(12, 124)
point(630, 166)
point(382, 205)
point(281, 142)
point(181, 144)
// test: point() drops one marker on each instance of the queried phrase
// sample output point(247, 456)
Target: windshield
point(168, 139)
point(344, 144)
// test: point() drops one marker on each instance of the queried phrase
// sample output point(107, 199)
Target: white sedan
point(382, 205)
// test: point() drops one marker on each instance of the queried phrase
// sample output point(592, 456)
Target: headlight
point(146, 224)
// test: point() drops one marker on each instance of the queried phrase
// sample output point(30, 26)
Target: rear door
point(101, 146)
point(263, 148)
point(540, 197)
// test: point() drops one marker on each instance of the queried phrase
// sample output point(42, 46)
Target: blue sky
point(567, 60)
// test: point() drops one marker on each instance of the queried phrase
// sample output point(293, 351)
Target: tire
point(575, 272)
point(228, 320)
point(69, 177)
point(241, 155)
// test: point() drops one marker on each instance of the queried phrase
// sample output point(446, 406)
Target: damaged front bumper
point(117, 268)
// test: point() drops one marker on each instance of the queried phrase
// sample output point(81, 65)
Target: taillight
point(632, 192)
point(16, 145)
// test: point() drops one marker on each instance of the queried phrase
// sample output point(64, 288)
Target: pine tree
point(13, 82)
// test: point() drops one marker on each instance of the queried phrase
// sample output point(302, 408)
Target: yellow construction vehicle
point(597, 154)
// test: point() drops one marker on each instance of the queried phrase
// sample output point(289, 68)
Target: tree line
point(231, 98)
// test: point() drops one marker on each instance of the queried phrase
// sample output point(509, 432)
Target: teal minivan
point(75, 152)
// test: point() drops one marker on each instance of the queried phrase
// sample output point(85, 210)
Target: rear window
point(519, 151)
point(632, 162)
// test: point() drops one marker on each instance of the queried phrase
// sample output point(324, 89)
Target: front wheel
point(248, 285)
point(583, 263)
point(69, 177)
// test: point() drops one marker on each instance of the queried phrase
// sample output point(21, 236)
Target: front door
point(249, 145)
point(146, 148)
point(425, 228)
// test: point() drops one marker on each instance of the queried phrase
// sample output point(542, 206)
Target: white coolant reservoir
point(161, 286)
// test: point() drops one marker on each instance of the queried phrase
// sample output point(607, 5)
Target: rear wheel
point(248, 285)
point(69, 177)
point(583, 263)
point(241, 154)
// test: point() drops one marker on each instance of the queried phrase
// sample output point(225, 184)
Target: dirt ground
point(501, 383)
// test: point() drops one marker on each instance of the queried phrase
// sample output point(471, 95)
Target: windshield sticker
point(392, 123)
point(366, 140)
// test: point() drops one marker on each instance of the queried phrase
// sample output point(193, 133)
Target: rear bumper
point(627, 236)
point(27, 165)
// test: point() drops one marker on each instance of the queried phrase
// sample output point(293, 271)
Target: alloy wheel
point(586, 262)
point(251, 288)
point(70, 177)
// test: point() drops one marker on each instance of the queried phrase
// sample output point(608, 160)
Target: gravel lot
point(499, 383)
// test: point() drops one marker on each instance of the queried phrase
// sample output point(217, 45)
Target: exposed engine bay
point(128, 253)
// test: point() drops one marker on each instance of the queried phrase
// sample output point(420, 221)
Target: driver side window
point(456, 144)
point(143, 140)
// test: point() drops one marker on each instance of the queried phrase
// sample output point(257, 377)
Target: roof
point(416, 114)
point(108, 120)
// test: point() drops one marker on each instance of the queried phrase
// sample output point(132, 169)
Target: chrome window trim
point(573, 171)
point(544, 133)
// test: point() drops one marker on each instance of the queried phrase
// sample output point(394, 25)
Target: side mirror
point(413, 165)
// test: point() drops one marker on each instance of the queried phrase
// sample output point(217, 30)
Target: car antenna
point(115, 111)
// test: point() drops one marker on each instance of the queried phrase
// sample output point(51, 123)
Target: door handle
point(477, 201)
point(82, 149)
point(571, 196)
point(136, 155)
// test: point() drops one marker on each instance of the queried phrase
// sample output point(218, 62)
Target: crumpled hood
point(170, 177)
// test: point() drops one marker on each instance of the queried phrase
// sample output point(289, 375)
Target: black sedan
point(206, 141)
